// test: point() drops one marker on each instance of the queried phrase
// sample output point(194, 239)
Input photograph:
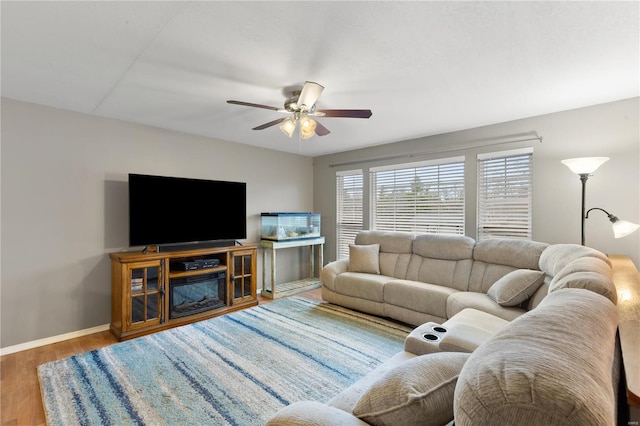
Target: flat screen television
point(173, 210)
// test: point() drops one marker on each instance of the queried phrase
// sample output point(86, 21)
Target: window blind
point(349, 190)
point(419, 197)
point(505, 195)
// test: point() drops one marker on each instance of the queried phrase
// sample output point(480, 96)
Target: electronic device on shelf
point(208, 263)
point(194, 265)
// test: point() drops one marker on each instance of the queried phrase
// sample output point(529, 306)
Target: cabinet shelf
point(147, 296)
point(179, 274)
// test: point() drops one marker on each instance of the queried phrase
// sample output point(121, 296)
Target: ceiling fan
point(301, 106)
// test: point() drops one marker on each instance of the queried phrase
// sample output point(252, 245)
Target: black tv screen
point(172, 210)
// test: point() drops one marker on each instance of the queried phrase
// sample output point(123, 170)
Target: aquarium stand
point(269, 287)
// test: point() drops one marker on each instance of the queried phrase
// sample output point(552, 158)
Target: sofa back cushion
point(550, 366)
point(395, 250)
point(588, 273)
point(442, 260)
point(557, 256)
point(575, 266)
point(495, 258)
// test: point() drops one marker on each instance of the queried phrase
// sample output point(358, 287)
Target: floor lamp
point(584, 167)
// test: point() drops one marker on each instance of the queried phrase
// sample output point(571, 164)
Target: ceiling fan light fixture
point(307, 127)
point(288, 127)
point(301, 105)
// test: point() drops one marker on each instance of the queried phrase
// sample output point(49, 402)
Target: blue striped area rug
point(236, 369)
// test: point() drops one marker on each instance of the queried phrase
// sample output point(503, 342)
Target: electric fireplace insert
point(197, 293)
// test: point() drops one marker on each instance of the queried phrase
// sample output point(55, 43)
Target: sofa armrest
point(312, 413)
point(331, 271)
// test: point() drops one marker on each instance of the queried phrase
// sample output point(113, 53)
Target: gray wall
point(64, 207)
point(607, 130)
point(64, 195)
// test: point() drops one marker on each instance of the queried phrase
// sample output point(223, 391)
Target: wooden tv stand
point(141, 286)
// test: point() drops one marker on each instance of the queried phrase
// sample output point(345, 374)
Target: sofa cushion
point(445, 247)
point(362, 285)
point(416, 392)
point(394, 264)
point(484, 275)
point(480, 301)
point(585, 264)
point(555, 361)
point(364, 258)
point(592, 281)
point(448, 273)
point(516, 287)
point(395, 250)
point(590, 273)
point(390, 242)
point(495, 258)
point(539, 295)
point(418, 296)
point(441, 259)
point(520, 254)
point(555, 257)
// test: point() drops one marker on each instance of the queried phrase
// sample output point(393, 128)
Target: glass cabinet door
point(243, 276)
point(145, 298)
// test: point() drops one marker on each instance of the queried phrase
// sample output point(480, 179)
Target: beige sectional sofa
point(427, 277)
point(531, 345)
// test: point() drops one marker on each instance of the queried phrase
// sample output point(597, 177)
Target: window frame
point(346, 230)
point(509, 212)
point(409, 180)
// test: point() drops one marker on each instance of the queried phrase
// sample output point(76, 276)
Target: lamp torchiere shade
point(584, 165)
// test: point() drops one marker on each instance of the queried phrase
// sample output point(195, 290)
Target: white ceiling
point(423, 68)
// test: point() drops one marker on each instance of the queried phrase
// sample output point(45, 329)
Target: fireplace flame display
point(200, 293)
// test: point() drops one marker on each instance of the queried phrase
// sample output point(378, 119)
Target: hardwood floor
point(20, 401)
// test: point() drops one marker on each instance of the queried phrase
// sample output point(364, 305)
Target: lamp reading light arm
point(612, 218)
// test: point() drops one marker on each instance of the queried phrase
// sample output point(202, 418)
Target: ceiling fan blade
point(349, 113)
point(253, 105)
point(271, 123)
point(321, 130)
point(309, 95)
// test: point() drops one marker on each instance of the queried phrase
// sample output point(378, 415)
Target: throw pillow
point(418, 391)
point(516, 287)
point(364, 258)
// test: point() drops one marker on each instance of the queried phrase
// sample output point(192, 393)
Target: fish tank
point(287, 226)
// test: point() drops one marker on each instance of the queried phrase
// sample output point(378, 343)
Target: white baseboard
point(53, 339)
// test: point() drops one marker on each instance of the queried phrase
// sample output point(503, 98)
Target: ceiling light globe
point(307, 127)
point(288, 127)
